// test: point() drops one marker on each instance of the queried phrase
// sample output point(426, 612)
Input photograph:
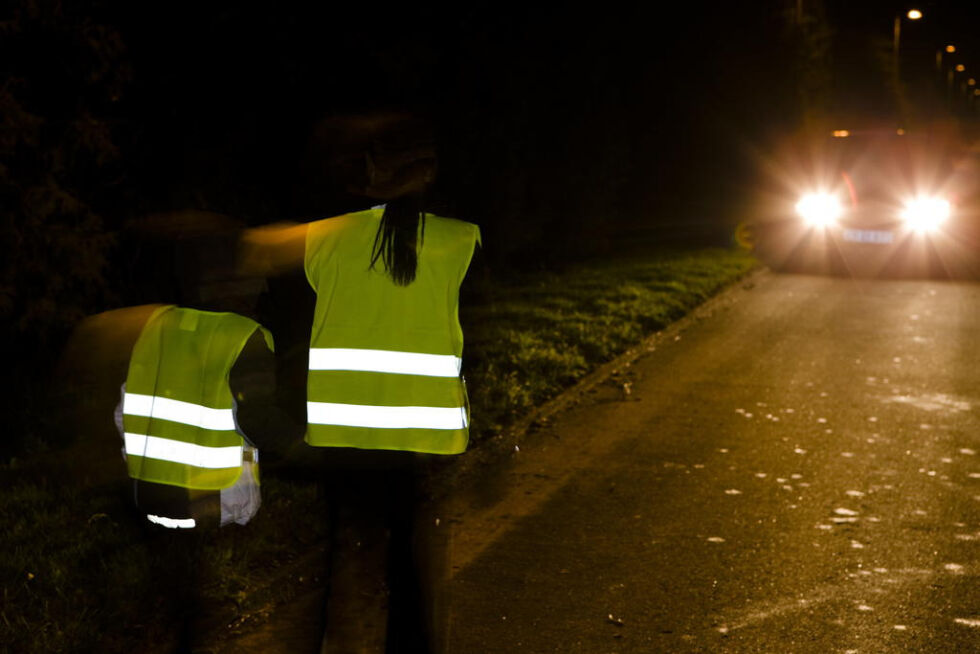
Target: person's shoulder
point(227, 321)
point(345, 221)
point(451, 223)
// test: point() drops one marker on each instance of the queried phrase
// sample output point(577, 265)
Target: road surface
point(799, 471)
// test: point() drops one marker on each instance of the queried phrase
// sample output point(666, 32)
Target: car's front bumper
point(882, 249)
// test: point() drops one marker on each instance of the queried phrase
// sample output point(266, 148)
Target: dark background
point(564, 132)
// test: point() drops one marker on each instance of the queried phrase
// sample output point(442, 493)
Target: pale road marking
point(764, 610)
point(936, 402)
point(969, 622)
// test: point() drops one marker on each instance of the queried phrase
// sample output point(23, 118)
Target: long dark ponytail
point(399, 238)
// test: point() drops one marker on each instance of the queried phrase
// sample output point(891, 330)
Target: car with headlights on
point(872, 203)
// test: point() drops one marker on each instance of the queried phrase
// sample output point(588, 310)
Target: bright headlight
point(926, 214)
point(819, 209)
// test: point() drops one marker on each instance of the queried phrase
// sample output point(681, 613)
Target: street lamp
point(912, 14)
point(965, 85)
point(950, 49)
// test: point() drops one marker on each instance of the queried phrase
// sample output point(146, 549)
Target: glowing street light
point(912, 14)
point(960, 68)
point(950, 49)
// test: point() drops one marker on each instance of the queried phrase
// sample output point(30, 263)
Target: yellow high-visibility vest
point(178, 410)
point(384, 369)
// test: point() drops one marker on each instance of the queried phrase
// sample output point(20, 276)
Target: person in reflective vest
point(385, 357)
point(384, 389)
point(385, 392)
point(190, 461)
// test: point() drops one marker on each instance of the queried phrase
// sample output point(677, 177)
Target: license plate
point(868, 236)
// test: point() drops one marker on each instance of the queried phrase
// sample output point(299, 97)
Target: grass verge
point(79, 573)
point(539, 334)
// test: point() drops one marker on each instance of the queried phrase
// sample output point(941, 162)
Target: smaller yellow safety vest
point(178, 410)
point(384, 368)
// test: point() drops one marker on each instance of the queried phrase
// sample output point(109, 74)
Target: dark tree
point(66, 71)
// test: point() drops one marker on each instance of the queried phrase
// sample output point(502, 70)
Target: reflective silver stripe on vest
point(165, 449)
point(172, 523)
point(385, 417)
point(151, 406)
point(391, 361)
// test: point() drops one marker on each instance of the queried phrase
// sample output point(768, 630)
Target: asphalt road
point(798, 471)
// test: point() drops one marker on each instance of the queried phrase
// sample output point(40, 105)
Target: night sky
point(627, 100)
point(863, 42)
point(556, 125)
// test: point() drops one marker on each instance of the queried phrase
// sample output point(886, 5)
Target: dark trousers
point(175, 554)
point(175, 574)
point(388, 562)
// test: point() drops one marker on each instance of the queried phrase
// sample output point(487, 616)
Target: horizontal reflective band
point(399, 363)
point(164, 408)
point(200, 456)
point(385, 417)
point(172, 523)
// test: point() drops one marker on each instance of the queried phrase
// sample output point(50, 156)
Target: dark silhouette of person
point(379, 362)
